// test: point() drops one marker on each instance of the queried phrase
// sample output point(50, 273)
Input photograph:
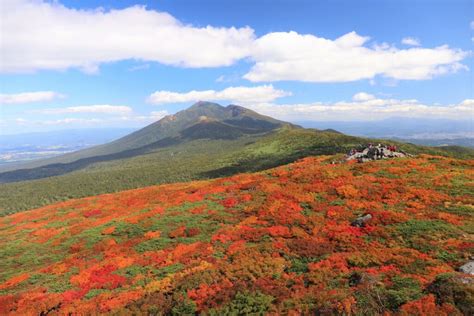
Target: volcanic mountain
point(201, 120)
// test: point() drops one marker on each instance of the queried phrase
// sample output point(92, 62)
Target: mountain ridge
point(168, 127)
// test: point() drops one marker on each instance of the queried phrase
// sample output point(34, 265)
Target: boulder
point(361, 221)
point(376, 152)
point(467, 268)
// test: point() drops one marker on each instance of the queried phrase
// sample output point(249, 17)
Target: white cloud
point(472, 25)
point(234, 77)
point(40, 35)
point(68, 121)
point(362, 96)
point(98, 109)
point(29, 97)
point(366, 109)
point(126, 118)
point(239, 95)
point(292, 56)
point(467, 104)
point(411, 41)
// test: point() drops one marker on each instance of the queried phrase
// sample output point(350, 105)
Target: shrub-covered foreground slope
point(276, 242)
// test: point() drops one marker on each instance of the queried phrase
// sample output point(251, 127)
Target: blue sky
point(69, 64)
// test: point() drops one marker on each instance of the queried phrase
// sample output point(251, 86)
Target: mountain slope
point(278, 242)
point(205, 129)
point(185, 160)
point(182, 161)
point(170, 127)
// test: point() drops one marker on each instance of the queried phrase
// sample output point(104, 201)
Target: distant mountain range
point(429, 132)
point(30, 146)
point(204, 141)
point(80, 137)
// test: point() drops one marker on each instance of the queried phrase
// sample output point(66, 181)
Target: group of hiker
point(375, 152)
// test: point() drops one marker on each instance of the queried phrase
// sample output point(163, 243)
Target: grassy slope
point(278, 241)
point(198, 159)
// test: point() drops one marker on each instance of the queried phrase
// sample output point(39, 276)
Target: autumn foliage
point(275, 242)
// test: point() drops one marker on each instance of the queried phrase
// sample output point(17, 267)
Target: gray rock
point(467, 268)
point(361, 221)
point(376, 153)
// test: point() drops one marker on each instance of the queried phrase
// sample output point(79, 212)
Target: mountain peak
point(236, 109)
point(232, 117)
point(201, 120)
point(205, 104)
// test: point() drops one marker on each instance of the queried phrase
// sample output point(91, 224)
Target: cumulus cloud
point(239, 95)
point(29, 97)
point(40, 35)
point(292, 56)
point(98, 109)
point(362, 96)
point(364, 107)
point(411, 41)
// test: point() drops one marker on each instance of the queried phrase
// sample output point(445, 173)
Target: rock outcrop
point(372, 152)
point(361, 221)
point(467, 268)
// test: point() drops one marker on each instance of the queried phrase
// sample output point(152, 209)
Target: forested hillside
point(189, 160)
point(282, 241)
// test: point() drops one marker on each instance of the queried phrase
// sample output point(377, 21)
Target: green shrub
point(184, 308)
point(418, 234)
point(401, 291)
point(246, 304)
